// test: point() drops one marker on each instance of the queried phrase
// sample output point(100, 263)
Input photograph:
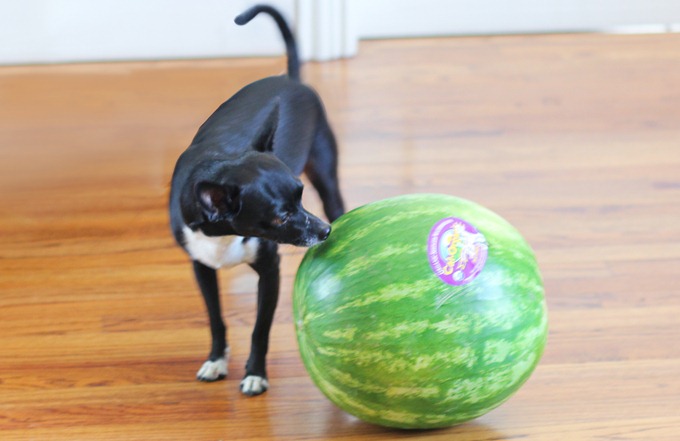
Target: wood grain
point(575, 139)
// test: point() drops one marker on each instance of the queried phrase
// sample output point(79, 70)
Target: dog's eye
point(281, 220)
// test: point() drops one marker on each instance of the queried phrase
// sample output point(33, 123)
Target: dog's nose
point(324, 233)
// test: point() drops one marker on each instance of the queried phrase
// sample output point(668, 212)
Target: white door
point(354, 20)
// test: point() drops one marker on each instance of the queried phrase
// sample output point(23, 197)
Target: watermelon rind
point(386, 340)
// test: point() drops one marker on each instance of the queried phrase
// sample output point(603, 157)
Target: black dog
point(235, 195)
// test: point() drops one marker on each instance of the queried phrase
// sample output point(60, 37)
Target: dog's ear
point(264, 140)
point(218, 202)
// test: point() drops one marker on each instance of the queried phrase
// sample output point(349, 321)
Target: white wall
point(394, 18)
point(48, 31)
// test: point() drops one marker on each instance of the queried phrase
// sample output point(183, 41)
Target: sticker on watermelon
point(456, 250)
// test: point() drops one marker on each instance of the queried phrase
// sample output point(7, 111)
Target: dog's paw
point(214, 370)
point(254, 385)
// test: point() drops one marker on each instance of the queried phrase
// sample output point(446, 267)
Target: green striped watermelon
point(420, 311)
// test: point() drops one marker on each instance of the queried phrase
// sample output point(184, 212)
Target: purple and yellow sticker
point(456, 250)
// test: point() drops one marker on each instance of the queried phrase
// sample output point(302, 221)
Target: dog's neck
point(219, 251)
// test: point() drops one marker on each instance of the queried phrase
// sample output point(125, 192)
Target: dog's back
point(236, 122)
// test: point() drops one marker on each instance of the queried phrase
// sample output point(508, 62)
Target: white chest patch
point(219, 251)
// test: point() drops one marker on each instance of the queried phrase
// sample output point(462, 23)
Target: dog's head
point(260, 198)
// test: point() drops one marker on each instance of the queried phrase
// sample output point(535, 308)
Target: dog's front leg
point(215, 368)
point(267, 267)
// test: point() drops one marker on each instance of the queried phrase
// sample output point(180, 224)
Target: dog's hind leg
point(322, 171)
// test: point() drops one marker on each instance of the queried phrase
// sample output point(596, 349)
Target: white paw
point(214, 370)
point(253, 385)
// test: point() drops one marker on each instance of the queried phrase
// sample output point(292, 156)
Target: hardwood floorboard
point(575, 139)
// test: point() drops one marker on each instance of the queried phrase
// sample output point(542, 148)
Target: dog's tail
point(291, 47)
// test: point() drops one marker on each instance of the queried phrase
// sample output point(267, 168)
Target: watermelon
point(420, 311)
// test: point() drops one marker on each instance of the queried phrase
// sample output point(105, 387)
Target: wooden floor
point(575, 139)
